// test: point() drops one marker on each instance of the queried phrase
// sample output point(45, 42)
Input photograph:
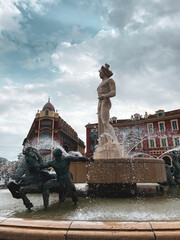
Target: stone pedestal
point(126, 170)
point(107, 149)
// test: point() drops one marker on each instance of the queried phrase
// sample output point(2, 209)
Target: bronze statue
point(63, 182)
point(173, 172)
point(32, 181)
point(176, 165)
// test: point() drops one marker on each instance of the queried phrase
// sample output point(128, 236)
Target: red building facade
point(49, 130)
point(152, 135)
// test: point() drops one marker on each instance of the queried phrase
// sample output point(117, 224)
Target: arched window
point(45, 134)
point(167, 160)
point(45, 140)
point(46, 112)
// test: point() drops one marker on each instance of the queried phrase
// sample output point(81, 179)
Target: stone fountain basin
point(18, 229)
point(123, 170)
point(126, 170)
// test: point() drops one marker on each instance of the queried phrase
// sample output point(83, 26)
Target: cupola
point(48, 106)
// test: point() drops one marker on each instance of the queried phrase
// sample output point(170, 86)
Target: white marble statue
point(108, 146)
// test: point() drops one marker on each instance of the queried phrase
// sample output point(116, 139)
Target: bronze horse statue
point(34, 178)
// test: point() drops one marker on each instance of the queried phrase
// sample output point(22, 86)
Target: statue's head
point(57, 153)
point(29, 149)
point(105, 71)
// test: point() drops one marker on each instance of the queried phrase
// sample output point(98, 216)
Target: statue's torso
point(104, 87)
point(61, 167)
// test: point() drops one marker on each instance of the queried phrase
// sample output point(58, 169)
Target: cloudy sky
point(55, 48)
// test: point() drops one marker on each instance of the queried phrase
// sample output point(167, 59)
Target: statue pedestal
point(113, 175)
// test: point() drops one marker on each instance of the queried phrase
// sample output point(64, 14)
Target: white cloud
point(12, 20)
point(66, 44)
point(8, 81)
point(140, 41)
point(38, 6)
point(80, 62)
point(18, 106)
point(10, 16)
point(142, 56)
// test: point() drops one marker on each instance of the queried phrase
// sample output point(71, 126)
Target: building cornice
point(139, 122)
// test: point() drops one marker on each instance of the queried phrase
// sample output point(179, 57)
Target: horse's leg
point(28, 189)
point(14, 189)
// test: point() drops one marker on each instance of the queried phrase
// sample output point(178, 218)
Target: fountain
point(112, 166)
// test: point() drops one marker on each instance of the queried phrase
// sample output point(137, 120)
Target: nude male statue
point(106, 90)
point(63, 183)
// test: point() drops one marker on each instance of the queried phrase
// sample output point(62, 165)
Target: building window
point(60, 137)
point(163, 142)
point(46, 112)
point(93, 134)
point(46, 123)
point(139, 145)
point(125, 130)
point(113, 120)
point(116, 131)
point(45, 134)
point(167, 160)
point(137, 131)
point(150, 128)
point(92, 148)
point(176, 141)
point(174, 125)
point(151, 143)
point(161, 126)
point(160, 113)
point(125, 133)
point(45, 140)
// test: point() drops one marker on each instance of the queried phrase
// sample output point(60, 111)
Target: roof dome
point(48, 106)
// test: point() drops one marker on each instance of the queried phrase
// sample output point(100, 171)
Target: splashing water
point(118, 144)
point(131, 139)
point(127, 141)
point(74, 154)
point(45, 143)
point(140, 155)
point(170, 150)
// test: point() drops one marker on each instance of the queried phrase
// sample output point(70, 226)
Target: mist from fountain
point(140, 154)
point(130, 140)
point(46, 143)
point(170, 150)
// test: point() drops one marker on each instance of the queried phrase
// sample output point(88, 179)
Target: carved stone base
point(108, 149)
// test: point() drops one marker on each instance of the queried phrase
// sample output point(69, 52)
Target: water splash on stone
point(170, 150)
